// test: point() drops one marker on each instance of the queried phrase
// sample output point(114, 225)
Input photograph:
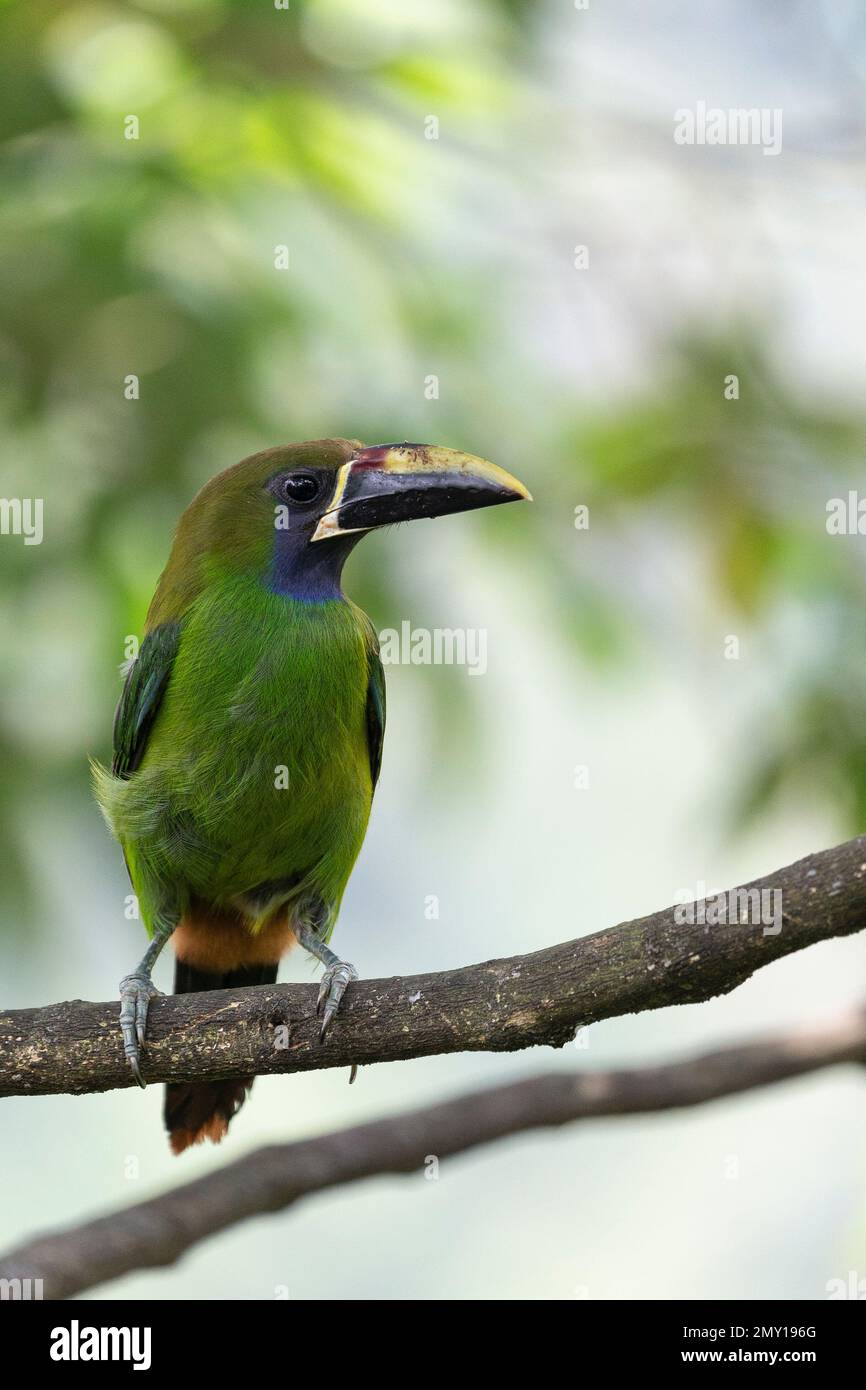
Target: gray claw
point(136, 992)
point(334, 983)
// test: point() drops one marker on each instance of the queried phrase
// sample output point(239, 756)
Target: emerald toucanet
point(248, 738)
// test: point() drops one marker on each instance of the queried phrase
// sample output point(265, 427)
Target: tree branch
point(499, 1006)
point(159, 1231)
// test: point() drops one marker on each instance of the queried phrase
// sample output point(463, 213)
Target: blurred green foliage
point(154, 256)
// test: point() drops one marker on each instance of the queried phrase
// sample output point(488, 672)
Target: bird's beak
point(399, 482)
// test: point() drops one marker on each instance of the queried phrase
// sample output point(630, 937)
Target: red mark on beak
point(377, 454)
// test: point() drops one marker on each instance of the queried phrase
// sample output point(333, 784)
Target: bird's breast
point(261, 742)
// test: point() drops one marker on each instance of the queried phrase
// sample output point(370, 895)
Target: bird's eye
point(301, 487)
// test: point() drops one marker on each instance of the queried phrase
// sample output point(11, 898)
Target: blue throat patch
point(310, 573)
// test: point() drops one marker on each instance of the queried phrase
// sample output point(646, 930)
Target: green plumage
point(248, 737)
point(258, 766)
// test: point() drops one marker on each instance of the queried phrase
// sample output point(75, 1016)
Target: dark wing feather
point(139, 704)
point(375, 713)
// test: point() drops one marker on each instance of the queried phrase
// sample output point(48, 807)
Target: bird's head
point(294, 513)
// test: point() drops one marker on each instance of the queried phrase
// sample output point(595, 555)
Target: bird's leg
point(338, 973)
point(136, 992)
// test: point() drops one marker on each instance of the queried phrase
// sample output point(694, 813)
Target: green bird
point(248, 737)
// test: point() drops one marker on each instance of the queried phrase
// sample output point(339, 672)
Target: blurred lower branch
point(498, 1006)
point(158, 1232)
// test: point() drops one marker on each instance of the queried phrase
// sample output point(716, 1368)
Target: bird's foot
point(334, 983)
point(136, 992)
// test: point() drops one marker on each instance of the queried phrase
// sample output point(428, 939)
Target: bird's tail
point(202, 1110)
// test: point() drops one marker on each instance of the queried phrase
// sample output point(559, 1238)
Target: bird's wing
point(139, 704)
point(375, 710)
